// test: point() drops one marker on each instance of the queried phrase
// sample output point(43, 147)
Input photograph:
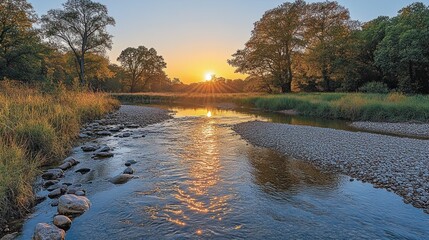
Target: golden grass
point(38, 129)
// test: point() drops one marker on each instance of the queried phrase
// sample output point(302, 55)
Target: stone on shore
point(129, 171)
point(121, 179)
point(57, 192)
point(53, 174)
point(90, 148)
point(44, 231)
point(71, 204)
point(104, 154)
point(83, 171)
point(62, 222)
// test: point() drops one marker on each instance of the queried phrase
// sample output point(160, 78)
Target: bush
point(374, 87)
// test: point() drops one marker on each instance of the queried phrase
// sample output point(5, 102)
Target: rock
point(129, 170)
point(82, 135)
point(133, 126)
point(65, 166)
point(127, 164)
point(90, 148)
point(121, 179)
point(53, 174)
point(71, 160)
point(46, 231)
point(39, 199)
point(125, 135)
point(115, 129)
point(67, 184)
point(54, 203)
point(53, 187)
point(132, 162)
point(103, 148)
point(10, 236)
point(50, 183)
point(104, 133)
point(62, 222)
point(83, 171)
point(71, 204)
point(104, 155)
point(80, 193)
point(57, 192)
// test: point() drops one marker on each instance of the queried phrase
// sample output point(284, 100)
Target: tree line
point(67, 46)
point(296, 46)
point(318, 47)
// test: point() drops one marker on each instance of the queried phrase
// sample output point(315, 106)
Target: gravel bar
point(406, 129)
point(398, 164)
point(140, 115)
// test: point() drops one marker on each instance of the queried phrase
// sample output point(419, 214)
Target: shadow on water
point(197, 179)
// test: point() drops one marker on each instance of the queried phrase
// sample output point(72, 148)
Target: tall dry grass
point(37, 129)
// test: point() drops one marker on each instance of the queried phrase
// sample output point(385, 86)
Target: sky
point(196, 37)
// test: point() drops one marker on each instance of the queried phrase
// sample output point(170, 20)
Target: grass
point(38, 129)
point(393, 107)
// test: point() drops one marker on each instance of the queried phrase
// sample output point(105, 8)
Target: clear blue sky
point(198, 36)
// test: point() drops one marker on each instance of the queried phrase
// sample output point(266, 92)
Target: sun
point(208, 76)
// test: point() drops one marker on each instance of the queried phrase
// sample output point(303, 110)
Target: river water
point(199, 180)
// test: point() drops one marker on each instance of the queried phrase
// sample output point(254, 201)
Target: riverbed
point(197, 178)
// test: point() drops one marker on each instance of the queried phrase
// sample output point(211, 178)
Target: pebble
point(394, 163)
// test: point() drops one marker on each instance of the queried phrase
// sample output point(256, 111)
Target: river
point(198, 179)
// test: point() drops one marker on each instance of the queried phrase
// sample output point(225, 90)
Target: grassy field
point(38, 129)
point(393, 107)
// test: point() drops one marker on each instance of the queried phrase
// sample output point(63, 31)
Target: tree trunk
point(82, 71)
point(286, 87)
point(326, 80)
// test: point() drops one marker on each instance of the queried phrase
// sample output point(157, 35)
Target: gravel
point(142, 116)
point(398, 164)
point(407, 129)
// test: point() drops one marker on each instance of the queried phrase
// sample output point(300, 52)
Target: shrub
point(374, 87)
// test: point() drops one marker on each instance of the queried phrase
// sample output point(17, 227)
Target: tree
point(403, 54)
point(275, 42)
point(81, 26)
point(19, 43)
point(140, 64)
point(328, 26)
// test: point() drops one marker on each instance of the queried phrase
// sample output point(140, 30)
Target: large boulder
point(71, 204)
point(44, 231)
point(62, 222)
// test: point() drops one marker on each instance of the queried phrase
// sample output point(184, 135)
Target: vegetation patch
point(38, 129)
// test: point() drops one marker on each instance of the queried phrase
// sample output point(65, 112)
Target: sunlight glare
point(208, 76)
point(209, 114)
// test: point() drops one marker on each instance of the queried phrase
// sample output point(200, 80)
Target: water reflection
point(276, 173)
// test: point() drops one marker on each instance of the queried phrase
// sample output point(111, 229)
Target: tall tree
point(81, 26)
point(140, 64)
point(403, 54)
point(19, 43)
point(276, 40)
point(328, 26)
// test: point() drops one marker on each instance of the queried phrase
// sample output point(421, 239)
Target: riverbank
point(393, 107)
point(405, 129)
point(37, 129)
point(397, 164)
